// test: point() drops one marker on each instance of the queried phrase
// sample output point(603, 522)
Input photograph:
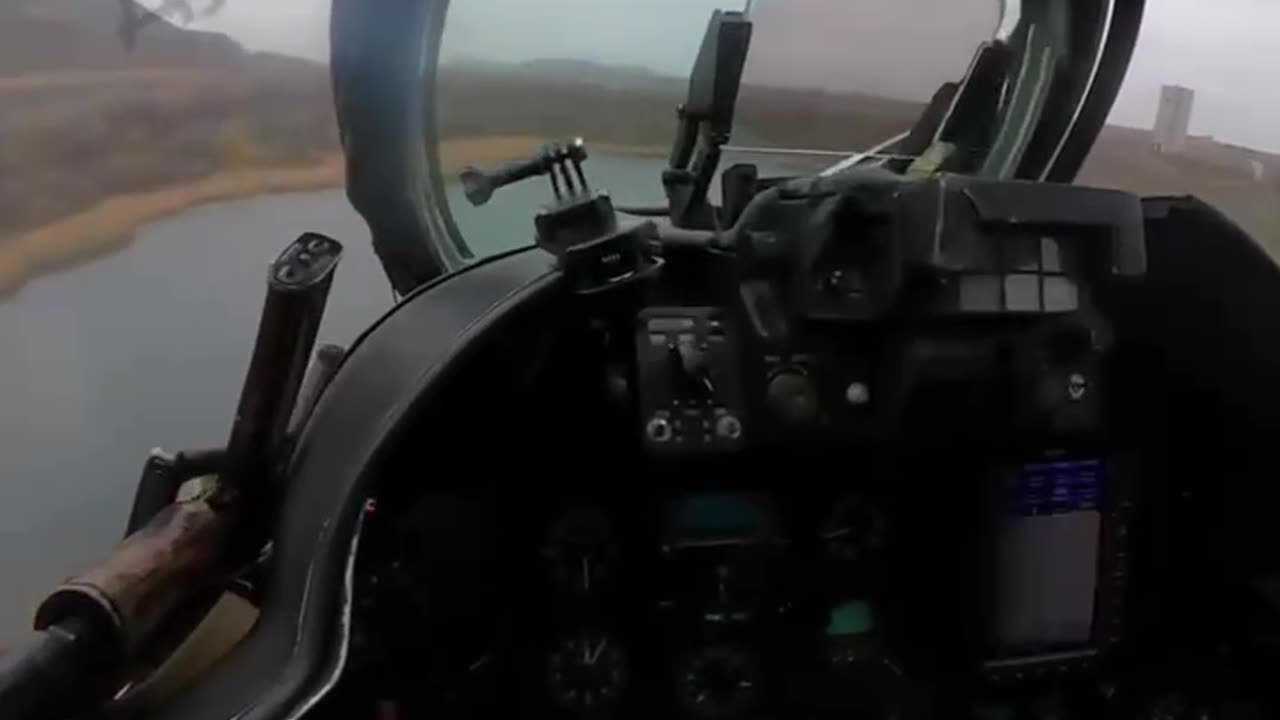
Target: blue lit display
point(722, 515)
point(1054, 488)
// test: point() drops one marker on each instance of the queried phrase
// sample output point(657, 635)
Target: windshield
point(824, 79)
point(837, 74)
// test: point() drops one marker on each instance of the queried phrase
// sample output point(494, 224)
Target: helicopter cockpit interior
point(942, 438)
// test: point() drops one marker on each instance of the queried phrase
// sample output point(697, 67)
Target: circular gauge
point(855, 532)
point(866, 682)
point(587, 673)
point(462, 684)
point(851, 634)
point(581, 550)
point(718, 683)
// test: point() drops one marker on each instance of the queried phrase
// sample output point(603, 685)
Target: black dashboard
point(884, 483)
point(716, 495)
point(896, 588)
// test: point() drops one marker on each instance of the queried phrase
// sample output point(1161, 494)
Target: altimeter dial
point(718, 683)
point(587, 672)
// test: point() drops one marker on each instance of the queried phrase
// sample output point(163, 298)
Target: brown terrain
point(1219, 173)
point(96, 140)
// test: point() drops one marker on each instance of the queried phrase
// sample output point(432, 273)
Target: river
point(148, 346)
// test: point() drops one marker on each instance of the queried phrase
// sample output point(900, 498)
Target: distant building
point(1173, 119)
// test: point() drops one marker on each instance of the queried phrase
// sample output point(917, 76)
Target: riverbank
point(110, 225)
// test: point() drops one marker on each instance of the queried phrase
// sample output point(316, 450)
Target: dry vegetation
point(86, 157)
point(110, 223)
point(64, 147)
point(95, 140)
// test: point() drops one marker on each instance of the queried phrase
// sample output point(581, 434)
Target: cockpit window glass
point(824, 79)
point(516, 74)
point(1199, 113)
point(849, 75)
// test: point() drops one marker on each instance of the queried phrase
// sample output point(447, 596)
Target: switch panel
point(689, 381)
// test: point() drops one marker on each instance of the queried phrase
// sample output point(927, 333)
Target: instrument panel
point(856, 467)
point(708, 386)
point(712, 603)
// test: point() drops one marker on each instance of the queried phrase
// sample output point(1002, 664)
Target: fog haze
point(1226, 50)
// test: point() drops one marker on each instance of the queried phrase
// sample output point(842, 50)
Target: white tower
point(1172, 119)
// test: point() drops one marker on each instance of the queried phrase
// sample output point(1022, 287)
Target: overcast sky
point(1227, 50)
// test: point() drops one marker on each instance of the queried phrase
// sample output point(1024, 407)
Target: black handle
point(479, 185)
point(297, 290)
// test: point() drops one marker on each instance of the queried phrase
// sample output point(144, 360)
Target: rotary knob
point(792, 397)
